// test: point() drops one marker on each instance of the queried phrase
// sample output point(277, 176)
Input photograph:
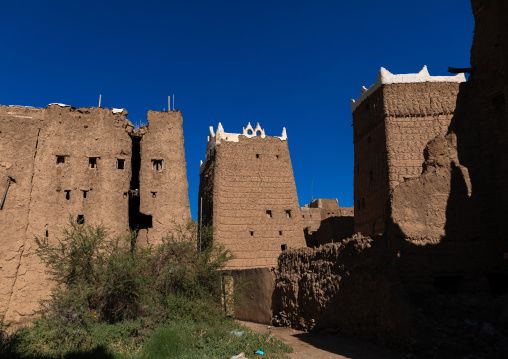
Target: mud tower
point(393, 120)
point(87, 163)
point(249, 195)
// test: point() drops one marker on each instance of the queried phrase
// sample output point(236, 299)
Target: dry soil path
point(324, 345)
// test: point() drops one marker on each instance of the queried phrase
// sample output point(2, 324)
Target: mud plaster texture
point(57, 162)
point(324, 221)
point(391, 129)
point(163, 191)
point(343, 286)
point(240, 182)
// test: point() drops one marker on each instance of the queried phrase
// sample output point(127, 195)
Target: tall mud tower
point(393, 121)
point(249, 195)
point(89, 164)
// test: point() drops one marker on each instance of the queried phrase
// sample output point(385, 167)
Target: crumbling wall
point(253, 197)
point(347, 287)
point(49, 154)
point(164, 189)
point(324, 221)
point(392, 127)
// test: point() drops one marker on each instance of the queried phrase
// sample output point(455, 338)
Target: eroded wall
point(163, 181)
point(47, 153)
point(250, 189)
point(391, 129)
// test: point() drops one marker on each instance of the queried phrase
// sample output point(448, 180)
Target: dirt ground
point(325, 345)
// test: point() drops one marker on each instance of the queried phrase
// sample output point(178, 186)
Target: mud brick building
point(324, 221)
point(393, 121)
point(88, 164)
point(249, 195)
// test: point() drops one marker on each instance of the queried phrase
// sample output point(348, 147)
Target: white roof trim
point(386, 77)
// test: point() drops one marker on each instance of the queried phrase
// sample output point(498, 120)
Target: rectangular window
point(60, 160)
point(120, 163)
point(67, 194)
point(93, 162)
point(288, 213)
point(280, 233)
point(252, 233)
point(157, 165)
point(283, 247)
point(268, 213)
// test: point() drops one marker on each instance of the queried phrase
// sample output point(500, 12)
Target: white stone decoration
point(215, 138)
point(386, 77)
point(117, 110)
point(59, 104)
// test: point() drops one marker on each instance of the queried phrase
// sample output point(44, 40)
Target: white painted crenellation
point(386, 77)
point(215, 138)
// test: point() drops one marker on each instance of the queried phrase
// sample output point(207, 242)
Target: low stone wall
point(345, 286)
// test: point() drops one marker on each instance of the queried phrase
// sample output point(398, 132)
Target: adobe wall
point(251, 177)
point(63, 161)
point(163, 190)
point(392, 126)
point(324, 221)
point(47, 189)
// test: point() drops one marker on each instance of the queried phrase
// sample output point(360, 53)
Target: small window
point(288, 213)
point(60, 160)
point(257, 155)
point(280, 233)
point(369, 140)
point(125, 195)
point(283, 247)
point(93, 162)
point(67, 194)
point(268, 213)
point(154, 194)
point(85, 193)
point(371, 175)
point(251, 233)
point(120, 163)
point(277, 156)
point(47, 233)
point(157, 165)
point(80, 219)
point(303, 216)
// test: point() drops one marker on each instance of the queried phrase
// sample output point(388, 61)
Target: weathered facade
point(62, 163)
point(324, 221)
point(393, 121)
point(249, 195)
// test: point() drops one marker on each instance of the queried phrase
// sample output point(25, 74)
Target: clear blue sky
point(293, 64)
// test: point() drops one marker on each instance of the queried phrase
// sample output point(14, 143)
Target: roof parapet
point(215, 138)
point(385, 77)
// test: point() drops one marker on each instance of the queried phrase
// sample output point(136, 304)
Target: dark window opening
point(303, 216)
point(277, 156)
point(85, 193)
point(157, 165)
point(280, 233)
point(60, 160)
point(498, 283)
point(137, 220)
point(154, 194)
point(257, 155)
point(369, 140)
point(80, 219)
point(92, 162)
point(47, 233)
point(251, 233)
point(120, 163)
point(448, 284)
point(125, 194)
point(371, 175)
point(268, 213)
point(283, 247)
point(288, 213)
point(67, 194)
